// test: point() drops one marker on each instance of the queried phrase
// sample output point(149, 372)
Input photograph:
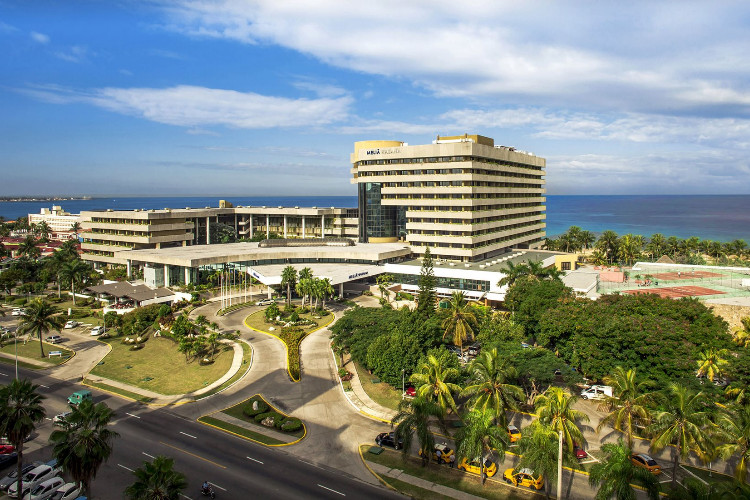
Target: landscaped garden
point(30, 350)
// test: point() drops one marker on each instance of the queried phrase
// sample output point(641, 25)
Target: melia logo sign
point(383, 151)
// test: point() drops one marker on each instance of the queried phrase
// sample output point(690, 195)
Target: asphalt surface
point(238, 468)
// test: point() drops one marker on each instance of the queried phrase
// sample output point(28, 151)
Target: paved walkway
point(361, 401)
point(422, 483)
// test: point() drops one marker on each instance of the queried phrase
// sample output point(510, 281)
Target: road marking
point(149, 456)
point(126, 468)
point(193, 455)
point(130, 414)
point(214, 484)
point(185, 496)
point(254, 460)
point(40, 385)
point(188, 435)
point(329, 489)
point(4, 374)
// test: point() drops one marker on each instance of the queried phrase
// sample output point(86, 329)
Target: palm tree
point(742, 335)
point(733, 424)
point(414, 417)
point(85, 442)
point(555, 409)
point(673, 245)
point(326, 290)
point(289, 278)
point(43, 230)
point(20, 411)
point(608, 244)
point(74, 272)
point(55, 263)
point(586, 239)
point(597, 257)
point(489, 387)
point(38, 318)
point(539, 452)
point(616, 474)
point(432, 381)
point(629, 247)
point(681, 424)
point(461, 322)
point(629, 404)
point(157, 480)
point(513, 272)
point(479, 436)
point(384, 281)
point(76, 228)
point(712, 362)
point(656, 246)
point(29, 248)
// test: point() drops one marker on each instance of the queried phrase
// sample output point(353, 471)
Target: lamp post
point(15, 343)
point(559, 466)
point(403, 383)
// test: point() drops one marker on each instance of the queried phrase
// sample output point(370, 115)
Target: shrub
point(343, 372)
point(294, 317)
point(291, 424)
point(248, 408)
point(20, 302)
point(135, 347)
point(262, 416)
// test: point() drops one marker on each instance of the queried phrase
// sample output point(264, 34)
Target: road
point(237, 467)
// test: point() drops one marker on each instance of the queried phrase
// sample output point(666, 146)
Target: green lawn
point(452, 478)
point(709, 476)
point(412, 491)
point(159, 367)
point(117, 390)
point(382, 393)
point(31, 350)
point(257, 320)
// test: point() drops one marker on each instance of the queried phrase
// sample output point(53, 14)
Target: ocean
point(714, 217)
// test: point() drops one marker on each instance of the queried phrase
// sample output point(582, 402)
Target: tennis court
point(677, 291)
point(686, 275)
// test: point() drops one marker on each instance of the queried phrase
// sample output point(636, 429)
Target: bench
point(55, 353)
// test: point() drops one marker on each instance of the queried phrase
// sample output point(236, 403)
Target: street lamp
point(15, 343)
point(403, 383)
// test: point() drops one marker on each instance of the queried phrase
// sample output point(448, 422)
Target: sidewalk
point(362, 402)
point(421, 483)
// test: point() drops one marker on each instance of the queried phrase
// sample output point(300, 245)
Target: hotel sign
point(358, 275)
point(382, 151)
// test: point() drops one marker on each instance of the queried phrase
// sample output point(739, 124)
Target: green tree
point(461, 322)
point(489, 388)
point(539, 452)
point(555, 409)
point(326, 290)
point(75, 228)
point(479, 437)
point(630, 404)
point(157, 480)
point(682, 423)
point(414, 418)
point(43, 230)
point(656, 246)
point(733, 423)
point(608, 243)
point(586, 239)
point(38, 318)
point(433, 383)
point(21, 411)
point(712, 363)
point(530, 299)
point(289, 279)
point(74, 272)
point(427, 294)
point(55, 262)
point(384, 281)
point(85, 442)
point(29, 247)
point(616, 474)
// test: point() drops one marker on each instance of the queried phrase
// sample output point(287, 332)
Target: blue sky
point(253, 98)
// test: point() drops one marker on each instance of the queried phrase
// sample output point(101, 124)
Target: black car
point(8, 458)
point(389, 439)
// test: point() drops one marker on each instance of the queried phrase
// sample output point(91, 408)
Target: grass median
point(236, 429)
point(30, 350)
point(117, 390)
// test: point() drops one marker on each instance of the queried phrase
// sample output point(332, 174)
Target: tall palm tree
point(629, 247)
point(479, 437)
point(682, 424)
point(586, 239)
point(157, 480)
point(608, 243)
point(414, 417)
point(433, 383)
point(289, 278)
point(489, 387)
point(29, 248)
point(742, 335)
point(539, 452)
point(513, 272)
point(76, 228)
point(616, 474)
point(43, 230)
point(629, 404)
point(597, 257)
point(20, 411)
point(38, 319)
point(55, 262)
point(326, 290)
point(712, 363)
point(733, 423)
point(656, 246)
point(85, 442)
point(461, 322)
point(555, 409)
point(673, 246)
point(74, 272)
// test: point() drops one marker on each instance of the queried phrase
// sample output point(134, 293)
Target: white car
point(45, 489)
point(97, 330)
point(54, 339)
point(68, 491)
point(71, 324)
point(265, 302)
point(32, 479)
point(62, 418)
point(18, 312)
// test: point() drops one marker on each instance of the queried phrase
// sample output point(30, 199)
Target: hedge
point(248, 408)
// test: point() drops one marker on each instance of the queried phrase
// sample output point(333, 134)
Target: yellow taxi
point(523, 477)
point(490, 468)
point(513, 433)
point(441, 453)
point(646, 462)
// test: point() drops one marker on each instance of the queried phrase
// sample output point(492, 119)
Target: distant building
point(59, 221)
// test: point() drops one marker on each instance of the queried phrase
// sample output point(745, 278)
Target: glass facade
point(378, 221)
point(441, 282)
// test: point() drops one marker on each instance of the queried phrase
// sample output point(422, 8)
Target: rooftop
point(496, 264)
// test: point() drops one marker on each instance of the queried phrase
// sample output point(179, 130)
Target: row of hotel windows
point(498, 229)
point(442, 282)
point(444, 159)
point(448, 171)
point(466, 196)
point(458, 184)
point(139, 222)
point(495, 241)
point(142, 234)
point(479, 220)
point(476, 208)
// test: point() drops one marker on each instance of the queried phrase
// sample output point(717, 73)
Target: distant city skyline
point(246, 98)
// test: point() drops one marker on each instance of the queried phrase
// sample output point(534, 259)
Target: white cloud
point(39, 37)
point(633, 56)
point(190, 106)
point(7, 28)
point(75, 54)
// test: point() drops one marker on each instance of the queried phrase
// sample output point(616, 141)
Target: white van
point(597, 392)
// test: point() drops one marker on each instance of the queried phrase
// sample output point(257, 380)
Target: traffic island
point(257, 420)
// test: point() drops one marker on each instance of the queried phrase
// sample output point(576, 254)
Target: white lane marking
point(254, 460)
point(149, 456)
point(40, 385)
point(214, 484)
point(4, 374)
point(188, 435)
point(185, 496)
point(130, 414)
point(126, 468)
point(329, 489)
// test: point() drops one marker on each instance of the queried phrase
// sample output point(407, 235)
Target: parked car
point(61, 418)
point(18, 312)
point(389, 439)
point(97, 330)
point(11, 477)
point(6, 448)
point(579, 452)
point(54, 339)
point(445, 453)
point(68, 491)
point(79, 396)
point(473, 350)
point(524, 345)
point(265, 302)
point(32, 479)
point(523, 477)
point(646, 462)
point(71, 324)
point(490, 468)
point(8, 459)
point(45, 490)
point(513, 433)
point(410, 391)
point(597, 392)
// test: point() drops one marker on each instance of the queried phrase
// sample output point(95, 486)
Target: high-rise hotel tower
point(463, 197)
